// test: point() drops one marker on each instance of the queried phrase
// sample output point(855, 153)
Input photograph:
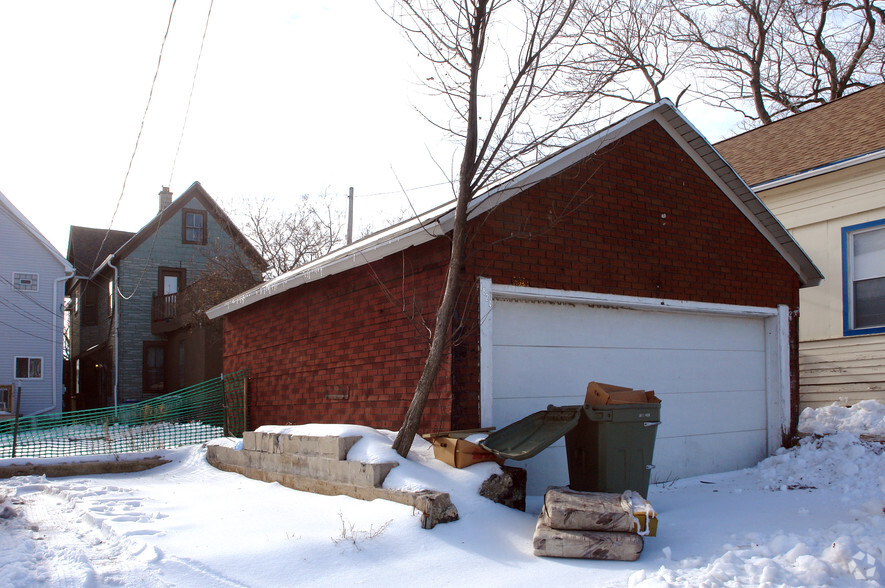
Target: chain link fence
point(196, 414)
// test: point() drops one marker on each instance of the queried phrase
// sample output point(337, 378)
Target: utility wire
point(191, 95)
point(27, 297)
point(140, 130)
point(24, 313)
point(400, 191)
point(150, 256)
point(26, 332)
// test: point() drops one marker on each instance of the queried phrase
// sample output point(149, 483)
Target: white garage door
point(717, 370)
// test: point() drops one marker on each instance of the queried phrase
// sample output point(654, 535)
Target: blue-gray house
point(32, 282)
point(136, 301)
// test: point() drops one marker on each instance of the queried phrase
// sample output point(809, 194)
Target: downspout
point(110, 262)
point(56, 384)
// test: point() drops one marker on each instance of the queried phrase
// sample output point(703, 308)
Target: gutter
point(116, 304)
point(56, 381)
point(819, 171)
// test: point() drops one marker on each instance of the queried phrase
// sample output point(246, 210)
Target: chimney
point(165, 198)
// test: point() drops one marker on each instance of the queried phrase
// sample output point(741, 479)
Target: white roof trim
point(822, 170)
point(439, 221)
point(22, 221)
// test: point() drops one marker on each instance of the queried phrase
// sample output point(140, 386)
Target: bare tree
point(290, 238)
point(734, 43)
point(454, 40)
point(780, 56)
point(623, 57)
point(837, 47)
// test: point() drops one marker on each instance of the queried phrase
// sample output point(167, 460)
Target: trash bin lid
point(529, 436)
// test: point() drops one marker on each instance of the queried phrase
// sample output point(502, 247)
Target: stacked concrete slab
point(319, 465)
point(587, 525)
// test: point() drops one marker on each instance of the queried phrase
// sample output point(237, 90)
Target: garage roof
point(439, 221)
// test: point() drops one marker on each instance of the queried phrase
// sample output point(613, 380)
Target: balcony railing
point(165, 307)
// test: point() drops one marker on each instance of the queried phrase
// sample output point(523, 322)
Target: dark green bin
point(611, 448)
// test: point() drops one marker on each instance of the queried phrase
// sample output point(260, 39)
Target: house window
point(153, 367)
point(28, 368)
point(25, 282)
point(863, 271)
point(89, 306)
point(193, 226)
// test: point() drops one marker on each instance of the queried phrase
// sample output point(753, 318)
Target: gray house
point(32, 279)
point(137, 326)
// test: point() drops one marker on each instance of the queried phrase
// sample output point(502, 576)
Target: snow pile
point(867, 416)
point(811, 515)
point(844, 468)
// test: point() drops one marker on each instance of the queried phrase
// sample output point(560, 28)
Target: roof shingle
point(851, 126)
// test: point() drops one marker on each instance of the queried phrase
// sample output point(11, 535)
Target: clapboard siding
point(854, 190)
point(31, 322)
point(852, 368)
point(832, 367)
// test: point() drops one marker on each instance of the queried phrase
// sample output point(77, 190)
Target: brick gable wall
point(346, 349)
point(639, 218)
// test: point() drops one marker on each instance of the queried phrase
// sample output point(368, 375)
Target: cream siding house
point(822, 174)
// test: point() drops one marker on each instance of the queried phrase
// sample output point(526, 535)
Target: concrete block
point(330, 447)
point(255, 441)
point(250, 441)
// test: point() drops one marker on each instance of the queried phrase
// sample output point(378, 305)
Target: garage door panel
point(709, 371)
point(526, 371)
point(695, 455)
point(568, 325)
point(518, 408)
point(712, 412)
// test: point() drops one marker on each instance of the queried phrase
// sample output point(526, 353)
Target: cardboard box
point(599, 394)
point(648, 526)
point(460, 453)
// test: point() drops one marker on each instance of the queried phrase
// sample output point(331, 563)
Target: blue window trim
point(846, 283)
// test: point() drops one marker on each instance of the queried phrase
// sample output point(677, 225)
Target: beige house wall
point(815, 210)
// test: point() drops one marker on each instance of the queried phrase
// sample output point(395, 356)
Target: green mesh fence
point(214, 408)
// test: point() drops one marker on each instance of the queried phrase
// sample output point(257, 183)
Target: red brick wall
point(346, 349)
point(639, 219)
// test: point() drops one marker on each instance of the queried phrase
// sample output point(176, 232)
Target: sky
point(290, 98)
point(812, 515)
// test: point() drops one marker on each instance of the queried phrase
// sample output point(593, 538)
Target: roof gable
point(439, 221)
point(22, 221)
point(87, 247)
point(847, 128)
point(194, 192)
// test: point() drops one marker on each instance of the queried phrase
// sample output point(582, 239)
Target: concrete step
point(331, 477)
point(329, 447)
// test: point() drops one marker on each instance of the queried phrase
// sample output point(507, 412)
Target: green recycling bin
point(611, 448)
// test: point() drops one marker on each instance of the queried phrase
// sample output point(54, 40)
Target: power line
point(27, 297)
point(26, 332)
point(191, 95)
point(447, 183)
point(140, 130)
point(25, 314)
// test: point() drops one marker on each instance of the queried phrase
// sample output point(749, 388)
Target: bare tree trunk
point(412, 421)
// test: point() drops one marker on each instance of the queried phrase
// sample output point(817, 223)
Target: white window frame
point(15, 361)
point(18, 276)
point(848, 278)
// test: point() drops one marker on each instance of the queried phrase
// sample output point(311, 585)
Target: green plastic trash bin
point(611, 448)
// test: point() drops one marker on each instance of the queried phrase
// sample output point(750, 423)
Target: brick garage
point(643, 209)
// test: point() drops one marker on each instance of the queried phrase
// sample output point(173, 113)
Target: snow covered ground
point(813, 515)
